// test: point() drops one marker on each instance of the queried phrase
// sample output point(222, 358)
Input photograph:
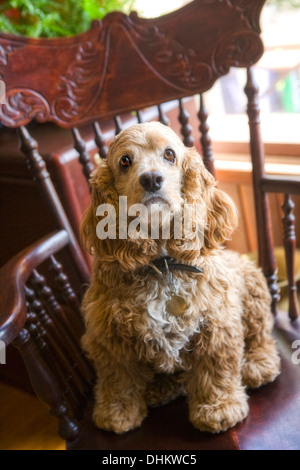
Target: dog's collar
point(166, 263)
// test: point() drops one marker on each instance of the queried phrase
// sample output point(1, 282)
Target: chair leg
point(45, 387)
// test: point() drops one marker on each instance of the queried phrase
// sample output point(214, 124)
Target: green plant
point(285, 3)
point(52, 18)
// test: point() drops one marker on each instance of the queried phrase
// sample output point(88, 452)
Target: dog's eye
point(125, 162)
point(170, 155)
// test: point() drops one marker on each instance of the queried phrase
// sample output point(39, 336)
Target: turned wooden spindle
point(76, 325)
point(64, 284)
point(51, 347)
point(139, 117)
point(262, 209)
point(45, 292)
point(38, 326)
point(37, 165)
point(290, 251)
point(118, 124)
point(84, 157)
point(205, 139)
point(34, 324)
point(162, 116)
point(186, 129)
point(45, 386)
point(100, 141)
point(63, 339)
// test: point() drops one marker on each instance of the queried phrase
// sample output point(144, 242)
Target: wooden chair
point(125, 64)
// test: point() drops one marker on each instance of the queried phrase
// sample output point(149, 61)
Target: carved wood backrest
point(125, 64)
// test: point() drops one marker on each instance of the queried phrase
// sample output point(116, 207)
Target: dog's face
point(146, 162)
point(149, 165)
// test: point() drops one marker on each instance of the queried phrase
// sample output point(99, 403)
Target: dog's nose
point(152, 181)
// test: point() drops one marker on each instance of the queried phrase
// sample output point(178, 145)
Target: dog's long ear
point(222, 218)
point(183, 247)
point(115, 253)
point(102, 192)
point(216, 216)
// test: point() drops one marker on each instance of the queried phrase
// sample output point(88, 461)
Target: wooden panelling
point(238, 184)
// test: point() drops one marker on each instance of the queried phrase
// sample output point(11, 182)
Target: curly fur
point(144, 355)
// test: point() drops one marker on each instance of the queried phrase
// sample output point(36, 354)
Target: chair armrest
point(13, 277)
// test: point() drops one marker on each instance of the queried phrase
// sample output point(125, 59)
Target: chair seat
point(272, 423)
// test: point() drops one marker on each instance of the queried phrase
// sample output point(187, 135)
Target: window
point(278, 77)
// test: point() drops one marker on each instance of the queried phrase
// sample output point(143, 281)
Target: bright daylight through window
point(277, 73)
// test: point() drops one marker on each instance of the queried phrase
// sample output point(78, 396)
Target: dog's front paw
point(215, 418)
point(119, 417)
point(261, 367)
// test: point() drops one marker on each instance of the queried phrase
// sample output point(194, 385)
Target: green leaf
point(50, 18)
point(6, 26)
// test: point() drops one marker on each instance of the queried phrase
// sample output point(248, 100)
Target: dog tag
point(176, 305)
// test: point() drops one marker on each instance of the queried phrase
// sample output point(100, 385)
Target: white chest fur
point(168, 335)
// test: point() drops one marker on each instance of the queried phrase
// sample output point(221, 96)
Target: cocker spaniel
point(170, 315)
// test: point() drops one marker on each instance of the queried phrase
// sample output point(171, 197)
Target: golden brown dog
point(155, 329)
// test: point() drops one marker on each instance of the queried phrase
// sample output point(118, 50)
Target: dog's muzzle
point(152, 181)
